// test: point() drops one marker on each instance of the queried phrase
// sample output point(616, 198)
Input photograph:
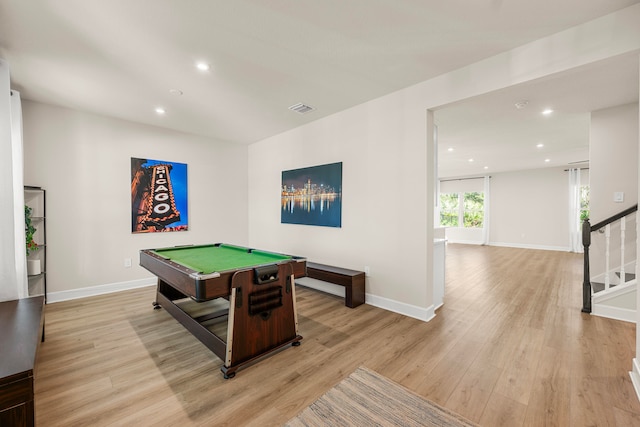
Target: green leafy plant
point(584, 214)
point(29, 230)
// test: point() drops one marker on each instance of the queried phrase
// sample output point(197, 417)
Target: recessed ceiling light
point(540, 145)
point(547, 160)
point(450, 149)
point(486, 167)
point(160, 110)
point(547, 111)
point(202, 66)
point(470, 160)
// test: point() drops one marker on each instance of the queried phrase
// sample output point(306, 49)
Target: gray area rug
point(366, 398)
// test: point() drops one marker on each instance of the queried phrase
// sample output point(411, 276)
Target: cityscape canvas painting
point(312, 196)
point(158, 196)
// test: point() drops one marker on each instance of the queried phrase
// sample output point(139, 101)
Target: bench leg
point(354, 294)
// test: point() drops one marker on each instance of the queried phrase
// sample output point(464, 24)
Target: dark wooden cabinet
point(20, 335)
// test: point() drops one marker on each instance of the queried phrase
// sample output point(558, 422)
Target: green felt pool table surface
point(207, 259)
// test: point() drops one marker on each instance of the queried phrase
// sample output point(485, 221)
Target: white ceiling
point(500, 137)
point(121, 58)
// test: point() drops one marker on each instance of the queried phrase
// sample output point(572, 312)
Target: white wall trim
point(528, 246)
point(91, 291)
point(464, 242)
point(512, 245)
point(615, 313)
point(635, 377)
point(424, 314)
point(420, 313)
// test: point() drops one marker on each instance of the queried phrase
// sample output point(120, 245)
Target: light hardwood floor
point(509, 347)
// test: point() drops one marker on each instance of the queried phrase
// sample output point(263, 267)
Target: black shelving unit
point(36, 198)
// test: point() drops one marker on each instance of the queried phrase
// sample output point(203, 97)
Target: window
point(449, 209)
point(584, 204)
point(473, 210)
point(462, 210)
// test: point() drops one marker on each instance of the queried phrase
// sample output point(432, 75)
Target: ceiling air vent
point(301, 108)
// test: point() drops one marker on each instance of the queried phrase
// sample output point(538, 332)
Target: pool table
point(239, 302)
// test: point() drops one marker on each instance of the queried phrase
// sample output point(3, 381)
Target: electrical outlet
point(127, 262)
point(367, 270)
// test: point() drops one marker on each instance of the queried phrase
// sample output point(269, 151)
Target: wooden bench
point(21, 331)
point(352, 280)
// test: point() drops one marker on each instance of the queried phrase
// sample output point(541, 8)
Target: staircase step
point(599, 287)
point(628, 276)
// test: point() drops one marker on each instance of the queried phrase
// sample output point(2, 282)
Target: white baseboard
point(91, 291)
point(512, 245)
point(615, 313)
point(635, 377)
point(528, 246)
point(424, 314)
point(409, 310)
point(464, 242)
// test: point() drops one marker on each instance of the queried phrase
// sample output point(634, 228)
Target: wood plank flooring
point(510, 347)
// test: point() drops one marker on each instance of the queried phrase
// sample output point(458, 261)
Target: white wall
point(384, 209)
point(613, 155)
point(385, 145)
point(614, 168)
point(530, 209)
point(83, 161)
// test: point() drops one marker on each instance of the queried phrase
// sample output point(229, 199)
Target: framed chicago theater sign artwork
point(158, 196)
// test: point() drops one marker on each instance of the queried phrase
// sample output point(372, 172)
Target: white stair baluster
point(623, 226)
point(607, 234)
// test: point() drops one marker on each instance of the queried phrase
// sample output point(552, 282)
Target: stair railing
point(587, 229)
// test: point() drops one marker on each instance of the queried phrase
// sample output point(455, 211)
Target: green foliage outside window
point(449, 208)
point(473, 210)
point(472, 214)
point(584, 203)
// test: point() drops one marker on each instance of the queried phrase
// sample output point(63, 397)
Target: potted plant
point(29, 230)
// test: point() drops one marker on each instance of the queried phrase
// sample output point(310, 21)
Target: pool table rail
point(202, 287)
